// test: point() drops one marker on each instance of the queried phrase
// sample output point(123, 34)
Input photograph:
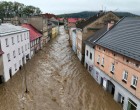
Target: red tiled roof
point(72, 20)
point(60, 19)
point(34, 33)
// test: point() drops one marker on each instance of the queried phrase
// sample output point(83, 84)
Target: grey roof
point(7, 28)
point(92, 39)
point(124, 38)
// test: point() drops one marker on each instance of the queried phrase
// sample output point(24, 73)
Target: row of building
point(109, 48)
point(21, 38)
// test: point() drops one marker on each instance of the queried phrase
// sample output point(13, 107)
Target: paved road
point(56, 81)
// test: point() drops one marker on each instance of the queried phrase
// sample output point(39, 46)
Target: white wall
point(89, 61)
point(11, 48)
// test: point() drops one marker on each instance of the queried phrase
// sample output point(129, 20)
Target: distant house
point(41, 24)
point(53, 24)
point(15, 44)
point(35, 38)
point(117, 62)
point(88, 27)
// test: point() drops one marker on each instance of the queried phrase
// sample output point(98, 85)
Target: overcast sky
point(72, 6)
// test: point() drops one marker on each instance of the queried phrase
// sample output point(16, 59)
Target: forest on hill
point(88, 14)
point(10, 9)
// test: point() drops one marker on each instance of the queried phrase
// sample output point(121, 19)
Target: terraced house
point(87, 28)
point(117, 62)
point(15, 49)
point(35, 38)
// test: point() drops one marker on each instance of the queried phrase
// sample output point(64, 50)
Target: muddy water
point(56, 80)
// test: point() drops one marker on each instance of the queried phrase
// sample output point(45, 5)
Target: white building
point(15, 43)
point(89, 50)
point(73, 38)
point(89, 58)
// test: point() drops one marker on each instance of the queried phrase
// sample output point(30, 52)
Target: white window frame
point(112, 67)
point(134, 81)
point(13, 41)
point(125, 75)
point(90, 56)
point(22, 49)
point(8, 57)
point(14, 54)
point(15, 66)
point(19, 51)
point(98, 59)
point(7, 43)
point(87, 53)
point(18, 38)
point(102, 61)
point(21, 37)
point(25, 47)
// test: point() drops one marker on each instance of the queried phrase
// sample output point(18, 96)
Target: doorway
point(10, 72)
point(131, 105)
point(111, 88)
point(120, 99)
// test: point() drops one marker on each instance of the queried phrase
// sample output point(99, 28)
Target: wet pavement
point(56, 80)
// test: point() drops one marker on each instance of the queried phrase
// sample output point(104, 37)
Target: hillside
point(87, 14)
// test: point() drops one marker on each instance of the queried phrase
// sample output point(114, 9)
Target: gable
point(100, 22)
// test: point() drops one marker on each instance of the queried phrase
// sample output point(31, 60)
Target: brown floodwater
point(56, 80)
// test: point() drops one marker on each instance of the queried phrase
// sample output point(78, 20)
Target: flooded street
point(56, 80)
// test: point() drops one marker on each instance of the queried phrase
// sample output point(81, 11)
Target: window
point(28, 45)
point(14, 54)
point(8, 57)
point(7, 44)
point(25, 47)
point(91, 56)
point(134, 81)
point(24, 36)
point(17, 38)
point(102, 62)
point(19, 51)
point(27, 35)
point(87, 53)
point(112, 68)
point(13, 40)
point(98, 60)
point(21, 37)
point(125, 76)
point(22, 49)
point(15, 67)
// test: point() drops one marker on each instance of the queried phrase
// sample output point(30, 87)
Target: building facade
point(35, 38)
point(117, 63)
point(15, 43)
point(89, 27)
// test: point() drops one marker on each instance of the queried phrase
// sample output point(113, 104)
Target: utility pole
point(26, 86)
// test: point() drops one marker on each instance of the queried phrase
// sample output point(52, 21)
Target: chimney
point(110, 24)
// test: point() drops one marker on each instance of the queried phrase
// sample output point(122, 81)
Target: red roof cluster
point(34, 33)
point(74, 20)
